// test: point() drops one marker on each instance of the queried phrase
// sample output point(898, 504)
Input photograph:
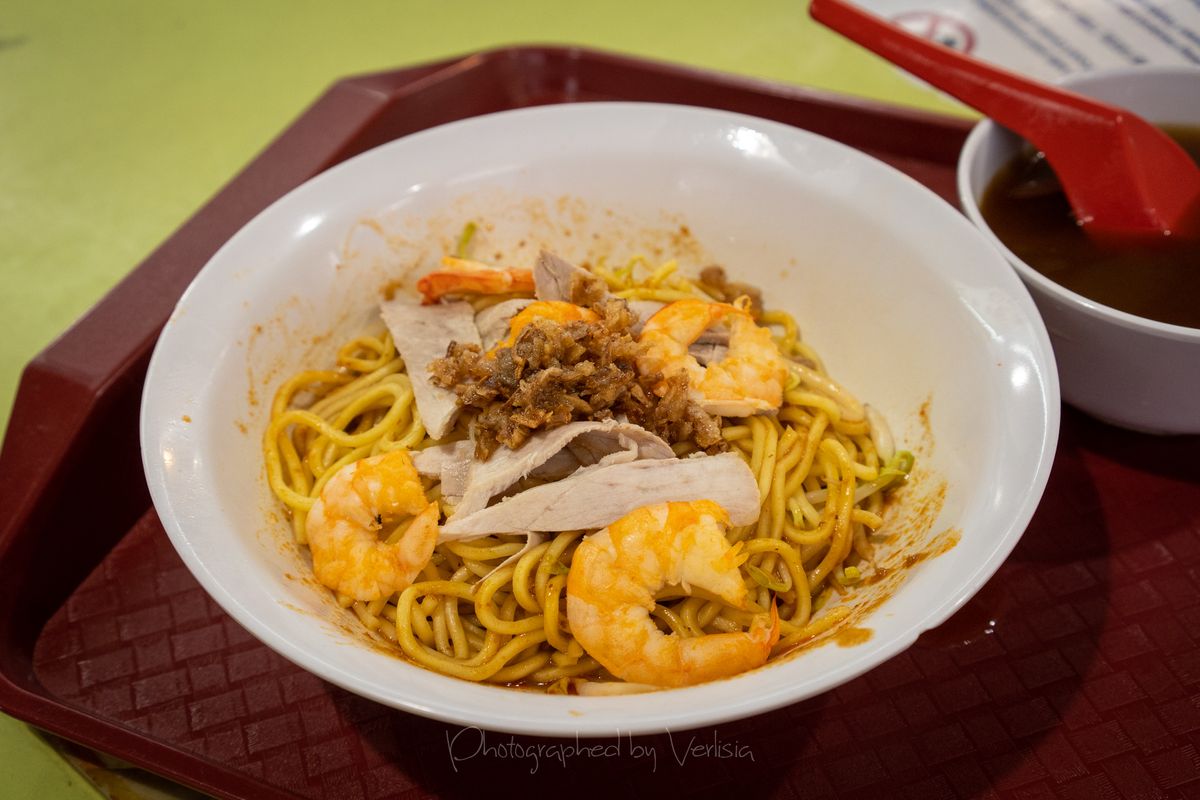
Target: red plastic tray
point(1075, 673)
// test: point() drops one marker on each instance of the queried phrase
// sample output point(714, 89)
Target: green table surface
point(119, 119)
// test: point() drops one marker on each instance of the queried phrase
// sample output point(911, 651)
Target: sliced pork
point(421, 334)
point(706, 353)
point(554, 453)
point(450, 463)
point(598, 495)
point(555, 278)
point(493, 321)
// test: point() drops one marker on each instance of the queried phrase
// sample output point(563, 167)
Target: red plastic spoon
point(1122, 175)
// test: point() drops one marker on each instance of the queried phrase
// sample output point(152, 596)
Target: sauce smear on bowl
point(1158, 279)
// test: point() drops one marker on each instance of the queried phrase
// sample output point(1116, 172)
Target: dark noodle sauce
point(1158, 279)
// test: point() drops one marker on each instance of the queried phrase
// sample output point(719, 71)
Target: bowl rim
point(683, 715)
point(987, 129)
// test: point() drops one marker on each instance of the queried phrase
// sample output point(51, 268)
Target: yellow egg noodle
point(823, 463)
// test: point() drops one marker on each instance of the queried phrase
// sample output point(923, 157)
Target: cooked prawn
point(344, 522)
point(615, 574)
point(749, 379)
point(558, 311)
point(463, 276)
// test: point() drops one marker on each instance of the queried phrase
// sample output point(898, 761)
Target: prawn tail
point(463, 276)
point(723, 655)
point(765, 636)
point(416, 547)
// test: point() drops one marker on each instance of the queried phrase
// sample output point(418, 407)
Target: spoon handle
point(998, 93)
point(1120, 173)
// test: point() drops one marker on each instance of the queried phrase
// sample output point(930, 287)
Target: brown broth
point(1158, 279)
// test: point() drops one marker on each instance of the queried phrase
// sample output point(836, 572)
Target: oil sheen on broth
point(1157, 279)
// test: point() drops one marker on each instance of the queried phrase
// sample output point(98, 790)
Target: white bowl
point(909, 305)
point(1124, 369)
